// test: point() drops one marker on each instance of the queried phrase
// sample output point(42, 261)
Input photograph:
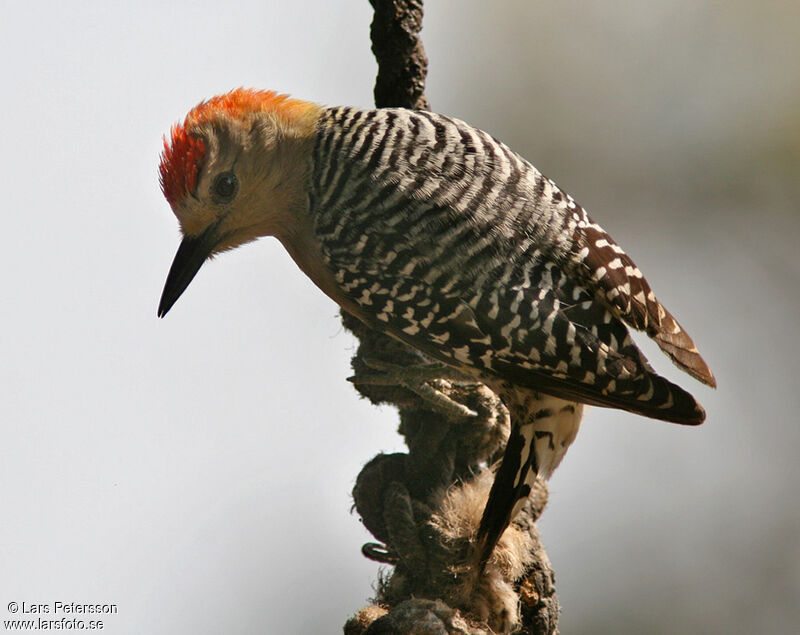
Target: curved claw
point(379, 553)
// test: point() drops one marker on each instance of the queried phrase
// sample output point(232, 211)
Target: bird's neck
point(306, 250)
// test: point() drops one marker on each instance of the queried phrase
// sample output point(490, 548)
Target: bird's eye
point(225, 186)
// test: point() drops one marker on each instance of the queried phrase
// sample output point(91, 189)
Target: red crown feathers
point(180, 163)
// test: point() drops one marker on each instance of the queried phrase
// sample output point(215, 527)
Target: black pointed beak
point(192, 253)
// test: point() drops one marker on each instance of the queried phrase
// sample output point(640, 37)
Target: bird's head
point(233, 171)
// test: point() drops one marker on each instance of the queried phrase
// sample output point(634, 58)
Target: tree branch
point(402, 64)
point(424, 506)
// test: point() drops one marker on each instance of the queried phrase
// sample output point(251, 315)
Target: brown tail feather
point(680, 348)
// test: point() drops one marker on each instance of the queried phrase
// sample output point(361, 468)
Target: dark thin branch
point(402, 64)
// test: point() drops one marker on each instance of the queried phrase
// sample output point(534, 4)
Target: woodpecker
point(439, 235)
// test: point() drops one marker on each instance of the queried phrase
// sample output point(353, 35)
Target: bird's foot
point(421, 379)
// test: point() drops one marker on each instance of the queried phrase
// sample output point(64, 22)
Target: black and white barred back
point(453, 243)
point(460, 247)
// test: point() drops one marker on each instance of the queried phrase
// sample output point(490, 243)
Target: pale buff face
point(250, 181)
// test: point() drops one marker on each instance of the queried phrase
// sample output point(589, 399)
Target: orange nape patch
point(245, 101)
point(183, 154)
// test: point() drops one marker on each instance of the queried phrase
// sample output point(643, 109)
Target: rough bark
point(402, 64)
point(424, 505)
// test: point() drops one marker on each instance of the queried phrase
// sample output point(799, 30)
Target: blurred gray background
point(196, 470)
